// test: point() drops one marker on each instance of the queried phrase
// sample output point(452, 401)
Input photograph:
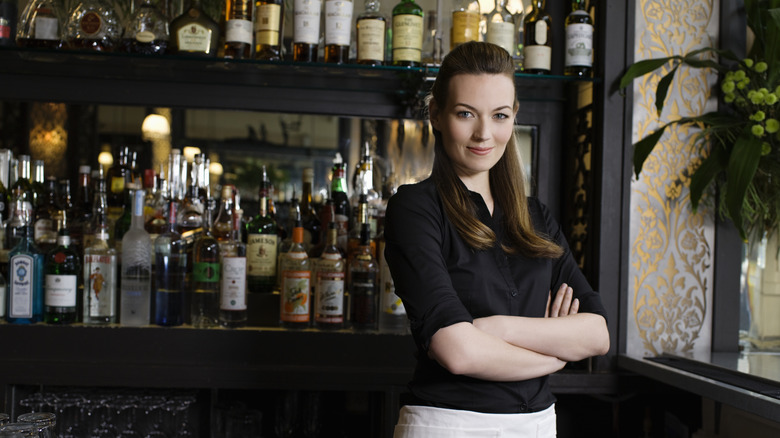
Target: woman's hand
point(563, 304)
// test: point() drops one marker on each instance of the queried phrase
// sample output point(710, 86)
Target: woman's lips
point(480, 151)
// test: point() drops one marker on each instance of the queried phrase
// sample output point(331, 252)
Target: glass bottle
point(82, 209)
point(45, 217)
point(147, 31)
point(262, 245)
point(465, 22)
point(312, 228)
point(501, 27)
point(269, 29)
point(519, 19)
point(41, 25)
point(117, 178)
point(65, 199)
point(338, 30)
point(61, 284)
point(136, 281)
point(341, 206)
point(537, 47)
point(578, 60)
point(370, 36)
point(204, 309)
point(99, 221)
point(157, 218)
point(329, 284)
point(93, 25)
point(239, 39)
point(8, 18)
point(363, 282)
point(194, 33)
point(407, 34)
point(21, 198)
point(223, 223)
point(431, 48)
point(295, 282)
point(25, 268)
point(124, 222)
point(100, 266)
point(233, 287)
point(170, 274)
point(392, 313)
point(190, 219)
point(38, 183)
point(306, 29)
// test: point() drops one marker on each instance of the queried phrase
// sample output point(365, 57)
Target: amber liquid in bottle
point(269, 29)
point(306, 30)
point(338, 23)
point(238, 29)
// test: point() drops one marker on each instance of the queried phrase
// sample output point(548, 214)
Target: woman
point(475, 262)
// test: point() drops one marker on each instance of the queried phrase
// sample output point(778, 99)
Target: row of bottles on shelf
point(157, 253)
point(255, 29)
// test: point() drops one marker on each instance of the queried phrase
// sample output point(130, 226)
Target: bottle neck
point(578, 5)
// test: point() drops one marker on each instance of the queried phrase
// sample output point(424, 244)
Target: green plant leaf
point(642, 68)
point(772, 44)
point(663, 89)
point(741, 168)
point(644, 147)
point(715, 163)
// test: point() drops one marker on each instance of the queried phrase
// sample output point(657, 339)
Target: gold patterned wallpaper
point(670, 271)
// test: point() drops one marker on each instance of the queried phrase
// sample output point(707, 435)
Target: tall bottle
point(312, 228)
point(8, 18)
point(93, 25)
point(519, 19)
point(407, 34)
point(206, 271)
point(82, 211)
point(465, 22)
point(232, 291)
point(170, 274)
point(117, 178)
point(223, 223)
point(147, 30)
point(578, 60)
point(501, 27)
point(262, 244)
point(45, 217)
point(363, 282)
point(338, 30)
point(100, 265)
point(25, 268)
point(341, 206)
point(306, 30)
point(136, 282)
point(370, 36)
point(329, 282)
point(269, 29)
point(21, 198)
point(537, 47)
point(194, 33)
point(61, 283)
point(239, 38)
point(295, 282)
point(40, 25)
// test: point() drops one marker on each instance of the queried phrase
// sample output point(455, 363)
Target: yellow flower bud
point(761, 67)
point(766, 148)
point(757, 130)
point(739, 75)
point(772, 126)
point(758, 116)
point(770, 99)
point(727, 86)
point(748, 62)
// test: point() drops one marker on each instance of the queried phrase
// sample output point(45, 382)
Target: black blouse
point(443, 281)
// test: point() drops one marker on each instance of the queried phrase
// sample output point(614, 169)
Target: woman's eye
point(501, 116)
point(464, 114)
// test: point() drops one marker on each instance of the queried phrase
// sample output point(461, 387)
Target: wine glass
point(286, 414)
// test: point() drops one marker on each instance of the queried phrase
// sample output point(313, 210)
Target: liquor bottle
point(157, 219)
point(341, 205)
point(537, 47)
point(295, 282)
point(93, 25)
point(465, 22)
point(100, 267)
point(370, 36)
point(579, 41)
point(62, 269)
point(329, 283)
point(363, 282)
point(38, 183)
point(170, 274)
point(41, 25)
point(8, 17)
point(364, 184)
point(306, 30)
point(204, 310)
point(194, 33)
point(146, 32)
point(124, 222)
point(99, 221)
point(45, 217)
point(82, 209)
point(269, 29)
point(431, 48)
point(222, 229)
point(117, 178)
point(136, 280)
point(501, 27)
point(238, 29)
point(338, 30)
point(392, 313)
point(518, 53)
point(312, 228)
point(65, 199)
point(21, 199)
point(407, 34)
point(25, 268)
point(362, 216)
point(262, 244)
point(232, 291)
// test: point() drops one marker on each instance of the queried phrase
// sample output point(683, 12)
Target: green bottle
point(407, 34)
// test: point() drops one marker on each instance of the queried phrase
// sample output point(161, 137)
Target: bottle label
point(5, 32)
point(144, 36)
point(117, 185)
point(60, 291)
point(370, 46)
point(261, 254)
point(540, 32)
point(204, 272)
point(306, 22)
point(342, 221)
point(238, 31)
point(44, 232)
point(579, 45)
point(295, 296)
point(91, 24)
point(338, 22)
point(46, 28)
point(465, 27)
point(407, 37)
point(267, 24)
point(233, 291)
point(537, 57)
point(194, 38)
point(21, 292)
point(502, 33)
point(99, 272)
point(330, 297)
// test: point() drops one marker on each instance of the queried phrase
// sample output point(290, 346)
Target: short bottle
point(25, 268)
point(136, 280)
point(363, 284)
point(407, 34)
point(40, 25)
point(93, 25)
point(232, 292)
point(578, 60)
point(194, 33)
point(537, 47)
point(338, 30)
point(306, 30)
point(239, 28)
point(170, 274)
point(147, 31)
point(100, 280)
point(206, 272)
point(269, 29)
point(501, 27)
point(295, 282)
point(61, 282)
point(329, 281)
point(465, 22)
point(370, 36)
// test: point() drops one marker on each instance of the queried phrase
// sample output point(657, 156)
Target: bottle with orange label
point(295, 282)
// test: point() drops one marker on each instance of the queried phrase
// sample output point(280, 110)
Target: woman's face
point(476, 122)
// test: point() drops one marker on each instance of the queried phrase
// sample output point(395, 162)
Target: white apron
point(430, 422)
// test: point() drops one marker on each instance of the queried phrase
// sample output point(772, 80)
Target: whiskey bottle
point(8, 17)
point(194, 33)
point(62, 269)
point(204, 303)
point(269, 29)
point(306, 30)
point(362, 282)
point(329, 284)
point(295, 282)
point(232, 291)
point(40, 25)
point(312, 228)
point(501, 27)
point(341, 206)
point(136, 280)
point(25, 268)
point(465, 22)
point(537, 47)
point(578, 60)
point(407, 34)
point(100, 272)
point(147, 31)
point(370, 36)
point(262, 244)
point(170, 274)
point(93, 25)
point(338, 30)
point(238, 29)
point(117, 178)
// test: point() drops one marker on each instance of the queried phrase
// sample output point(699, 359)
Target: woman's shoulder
point(418, 197)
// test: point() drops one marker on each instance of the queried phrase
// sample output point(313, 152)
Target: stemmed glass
point(286, 414)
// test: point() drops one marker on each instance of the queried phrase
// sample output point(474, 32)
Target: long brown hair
point(507, 179)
